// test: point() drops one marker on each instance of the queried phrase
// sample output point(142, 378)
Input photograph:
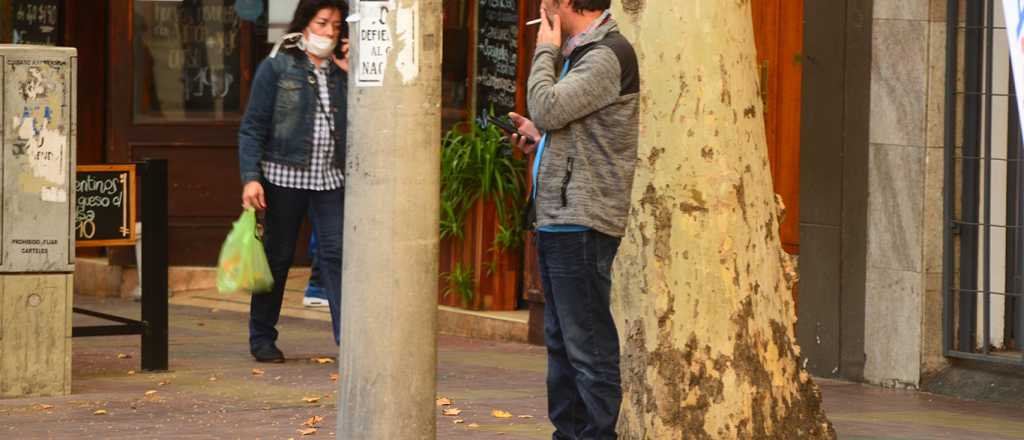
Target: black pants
point(286, 209)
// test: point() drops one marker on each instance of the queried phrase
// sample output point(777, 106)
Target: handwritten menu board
point(195, 45)
point(497, 52)
point(36, 22)
point(105, 205)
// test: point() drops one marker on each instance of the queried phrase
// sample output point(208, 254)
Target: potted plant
point(482, 193)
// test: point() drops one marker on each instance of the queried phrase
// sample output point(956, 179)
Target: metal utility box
point(37, 219)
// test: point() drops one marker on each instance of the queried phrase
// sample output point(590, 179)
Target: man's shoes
point(315, 297)
point(268, 353)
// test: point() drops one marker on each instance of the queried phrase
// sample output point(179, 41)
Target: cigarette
point(533, 22)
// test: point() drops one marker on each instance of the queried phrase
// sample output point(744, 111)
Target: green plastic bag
point(242, 266)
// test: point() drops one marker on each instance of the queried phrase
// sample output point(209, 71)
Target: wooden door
point(778, 31)
point(179, 76)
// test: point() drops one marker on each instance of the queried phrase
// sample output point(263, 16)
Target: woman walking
point(292, 156)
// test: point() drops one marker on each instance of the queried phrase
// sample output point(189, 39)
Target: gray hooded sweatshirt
point(591, 117)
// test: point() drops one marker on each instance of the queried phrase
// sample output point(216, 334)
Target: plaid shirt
point(321, 174)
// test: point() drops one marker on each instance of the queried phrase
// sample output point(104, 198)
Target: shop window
point(188, 56)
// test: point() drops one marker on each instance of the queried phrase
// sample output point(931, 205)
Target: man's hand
point(252, 196)
point(342, 62)
point(549, 34)
point(526, 127)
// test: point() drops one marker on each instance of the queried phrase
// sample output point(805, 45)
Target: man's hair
point(587, 5)
point(307, 9)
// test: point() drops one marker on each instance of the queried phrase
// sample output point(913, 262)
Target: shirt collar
point(575, 41)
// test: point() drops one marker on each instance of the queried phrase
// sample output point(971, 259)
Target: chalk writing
point(36, 22)
point(497, 55)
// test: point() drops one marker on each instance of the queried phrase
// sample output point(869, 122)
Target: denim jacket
point(278, 123)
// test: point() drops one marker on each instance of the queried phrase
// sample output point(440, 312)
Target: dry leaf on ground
point(458, 421)
point(43, 406)
point(99, 412)
point(162, 383)
point(313, 421)
point(473, 425)
point(311, 399)
point(150, 393)
point(451, 411)
point(323, 360)
point(124, 356)
point(307, 431)
point(501, 414)
point(334, 377)
point(257, 372)
point(213, 378)
point(525, 417)
point(443, 401)
point(131, 372)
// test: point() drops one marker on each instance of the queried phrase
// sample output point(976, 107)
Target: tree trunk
point(701, 288)
point(392, 194)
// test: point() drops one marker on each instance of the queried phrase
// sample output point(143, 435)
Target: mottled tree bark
point(702, 288)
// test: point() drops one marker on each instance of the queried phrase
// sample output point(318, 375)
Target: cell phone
point(503, 123)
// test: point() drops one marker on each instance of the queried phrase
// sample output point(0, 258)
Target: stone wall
point(904, 257)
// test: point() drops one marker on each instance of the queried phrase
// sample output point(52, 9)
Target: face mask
point(317, 45)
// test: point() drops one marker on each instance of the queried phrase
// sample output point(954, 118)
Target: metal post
point(392, 203)
point(968, 305)
point(154, 268)
point(987, 194)
point(949, 183)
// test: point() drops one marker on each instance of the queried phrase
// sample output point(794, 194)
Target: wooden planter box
point(496, 290)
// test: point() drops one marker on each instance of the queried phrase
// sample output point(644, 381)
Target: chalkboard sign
point(497, 52)
point(105, 205)
point(36, 22)
point(192, 53)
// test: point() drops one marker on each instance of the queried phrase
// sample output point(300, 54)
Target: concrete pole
point(388, 359)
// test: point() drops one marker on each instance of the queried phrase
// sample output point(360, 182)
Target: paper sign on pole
point(1013, 10)
point(375, 42)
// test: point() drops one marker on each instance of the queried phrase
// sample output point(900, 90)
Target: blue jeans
point(584, 388)
point(286, 209)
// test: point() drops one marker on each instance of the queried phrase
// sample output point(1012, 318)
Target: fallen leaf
point(201, 324)
point(334, 377)
point(131, 372)
point(100, 412)
point(257, 371)
point(43, 406)
point(472, 425)
point(214, 310)
point(307, 431)
point(525, 417)
point(150, 393)
point(443, 401)
point(277, 377)
point(501, 414)
point(313, 421)
point(124, 356)
point(311, 399)
point(458, 421)
point(213, 378)
point(323, 360)
point(451, 411)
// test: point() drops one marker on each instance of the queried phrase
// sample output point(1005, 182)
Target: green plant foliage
point(460, 281)
point(478, 164)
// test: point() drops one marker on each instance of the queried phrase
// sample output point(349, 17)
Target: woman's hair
point(308, 9)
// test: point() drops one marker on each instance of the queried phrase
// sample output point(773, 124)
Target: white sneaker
point(314, 302)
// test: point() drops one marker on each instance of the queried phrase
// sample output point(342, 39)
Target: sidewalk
point(213, 391)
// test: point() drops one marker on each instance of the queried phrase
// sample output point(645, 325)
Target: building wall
point(903, 298)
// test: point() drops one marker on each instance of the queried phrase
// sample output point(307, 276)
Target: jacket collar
point(597, 34)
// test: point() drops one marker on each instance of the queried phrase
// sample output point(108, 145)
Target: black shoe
point(268, 353)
